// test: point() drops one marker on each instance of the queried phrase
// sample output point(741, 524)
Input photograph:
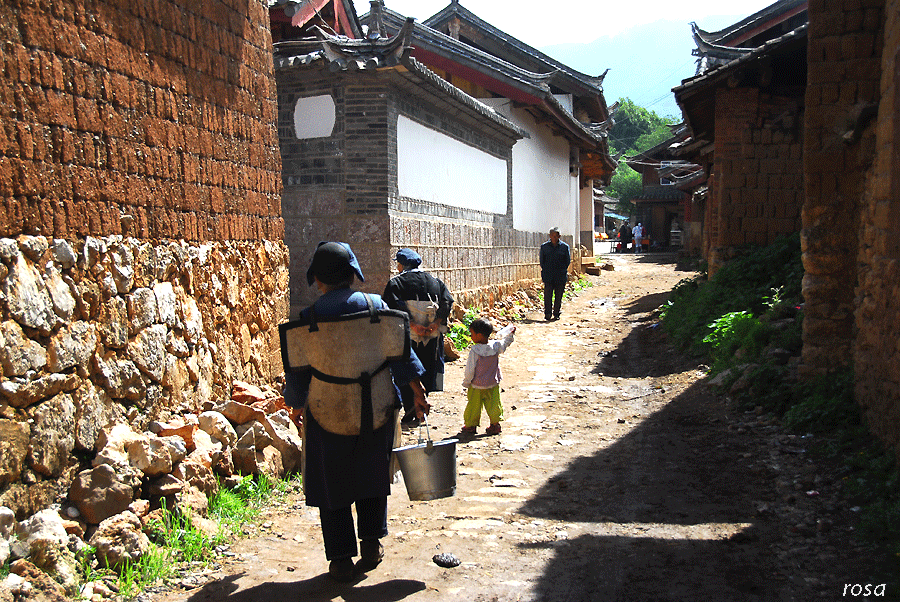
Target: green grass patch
point(764, 281)
point(176, 541)
point(459, 331)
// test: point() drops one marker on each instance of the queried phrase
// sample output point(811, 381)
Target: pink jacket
point(483, 363)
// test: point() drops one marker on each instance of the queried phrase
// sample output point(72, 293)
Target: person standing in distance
point(555, 258)
point(638, 233)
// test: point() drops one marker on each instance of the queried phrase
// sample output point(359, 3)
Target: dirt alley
point(619, 475)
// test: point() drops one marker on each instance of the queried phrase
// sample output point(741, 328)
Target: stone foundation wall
point(113, 329)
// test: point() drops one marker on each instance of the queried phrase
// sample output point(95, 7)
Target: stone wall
point(141, 262)
point(876, 348)
point(758, 170)
point(111, 329)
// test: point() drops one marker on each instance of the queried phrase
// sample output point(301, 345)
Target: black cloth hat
point(333, 262)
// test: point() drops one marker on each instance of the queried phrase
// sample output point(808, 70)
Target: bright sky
point(541, 23)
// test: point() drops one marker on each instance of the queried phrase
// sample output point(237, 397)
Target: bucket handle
point(429, 446)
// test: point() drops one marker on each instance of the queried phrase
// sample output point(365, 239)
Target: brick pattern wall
point(876, 348)
point(844, 75)
point(161, 111)
point(758, 170)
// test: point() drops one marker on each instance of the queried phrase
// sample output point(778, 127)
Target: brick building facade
point(746, 118)
point(141, 262)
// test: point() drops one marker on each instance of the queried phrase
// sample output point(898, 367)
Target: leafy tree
point(624, 186)
point(636, 130)
point(634, 122)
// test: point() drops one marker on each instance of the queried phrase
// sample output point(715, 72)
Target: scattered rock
point(119, 539)
point(446, 560)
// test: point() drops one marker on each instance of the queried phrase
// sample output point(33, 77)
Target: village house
point(744, 114)
point(469, 154)
point(794, 118)
point(664, 205)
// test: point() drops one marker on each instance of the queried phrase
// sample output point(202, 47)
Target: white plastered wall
point(545, 194)
point(432, 166)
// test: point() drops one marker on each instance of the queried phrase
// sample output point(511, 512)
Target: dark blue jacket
point(555, 262)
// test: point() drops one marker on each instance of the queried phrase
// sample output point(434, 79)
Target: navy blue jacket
point(555, 262)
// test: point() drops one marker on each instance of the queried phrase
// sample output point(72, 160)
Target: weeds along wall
point(142, 267)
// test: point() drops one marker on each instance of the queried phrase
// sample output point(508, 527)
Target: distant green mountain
point(644, 62)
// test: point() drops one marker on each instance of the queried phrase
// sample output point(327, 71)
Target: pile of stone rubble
point(131, 478)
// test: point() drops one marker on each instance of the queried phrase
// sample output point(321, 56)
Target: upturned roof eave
point(692, 85)
point(379, 56)
point(753, 21)
point(589, 84)
point(533, 85)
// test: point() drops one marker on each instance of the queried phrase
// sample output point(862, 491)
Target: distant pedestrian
point(638, 233)
point(482, 377)
point(555, 259)
point(624, 237)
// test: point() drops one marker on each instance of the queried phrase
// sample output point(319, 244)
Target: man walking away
point(555, 259)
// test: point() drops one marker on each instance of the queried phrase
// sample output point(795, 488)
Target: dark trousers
point(337, 526)
point(553, 294)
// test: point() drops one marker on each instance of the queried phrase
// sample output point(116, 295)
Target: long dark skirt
point(341, 469)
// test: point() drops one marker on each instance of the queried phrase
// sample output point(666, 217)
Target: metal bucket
point(429, 468)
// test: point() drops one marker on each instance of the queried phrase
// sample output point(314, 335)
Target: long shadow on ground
point(317, 589)
point(678, 467)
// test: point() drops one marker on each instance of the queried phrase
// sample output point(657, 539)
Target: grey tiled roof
point(338, 53)
point(723, 70)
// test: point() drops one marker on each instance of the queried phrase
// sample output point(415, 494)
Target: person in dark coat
point(428, 302)
point(341, 471)
point(555, 258)
point(625, 237)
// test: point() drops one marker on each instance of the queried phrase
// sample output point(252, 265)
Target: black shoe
point(371, 554)
point(341, 570)
point(546, 318)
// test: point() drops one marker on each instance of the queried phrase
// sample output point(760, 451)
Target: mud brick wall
point(145, 118)
point(844, 59)
point(758, 170)
point(344, 187)
point(877, 344)
point(142, 267)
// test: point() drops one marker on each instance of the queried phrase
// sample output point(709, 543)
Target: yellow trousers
point(489, 399)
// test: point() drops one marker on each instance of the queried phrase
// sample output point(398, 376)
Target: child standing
point(482, 379)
